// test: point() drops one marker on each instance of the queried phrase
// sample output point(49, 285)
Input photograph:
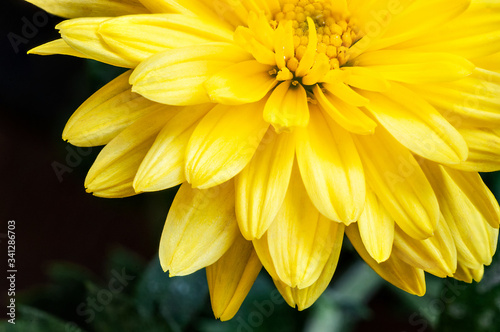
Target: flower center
point(332, 32)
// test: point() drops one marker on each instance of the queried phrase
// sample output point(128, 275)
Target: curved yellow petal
point(200, 228)
point(394, 270)
point(241, 83)
point(417, 125)
point(176, 77)
point(415, 67)
point(106, 113)
point(262, 185)
point(81, 34)
point(376, 228)
point(300, 239)
point(398, 181)
point(303, 298)
point(436, 255)
point(163, 166)
point(89, 8)
point(115, 167)
point(331, 168)
point(223, 143)
point(58, 46)
point(231, 277)
point(137, 37)
point(466, 221)
point(287, 107)
point(484, 150)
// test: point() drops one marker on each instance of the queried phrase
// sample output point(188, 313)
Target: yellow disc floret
point(335, 32)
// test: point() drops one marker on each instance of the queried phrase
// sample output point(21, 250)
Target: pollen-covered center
point(335, 32)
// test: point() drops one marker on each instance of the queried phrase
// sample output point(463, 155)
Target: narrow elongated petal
point(200, 228)
point(473, 34)
point(176, 77)
point(394, 270)
point(415, 67)
point(244, 37)
point(58, 46)
point(465, 220)
point(287, 107)
point(262, 185)
point(346, 94)
point(231, 277)
point(137, 37)
point(242, 83)
point(415, 21)
point(223, 143)
point(300, 239)
point(163, 166)
point(81, 34)
point(436, 255)
point(417, 125)
point(106, 113)
point(331, 169)
point(472, 101)
point(113, 171)
point(467, 274)
point(478, 193)
point(366, 79)
point(376, 228)
point(484, 150)
point(303, 298)
point(89, 8)
point(399, 183)
point(348, 116)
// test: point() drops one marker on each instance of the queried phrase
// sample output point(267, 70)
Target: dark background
point(56, 220)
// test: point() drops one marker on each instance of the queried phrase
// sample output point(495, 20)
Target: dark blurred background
point(69, 243)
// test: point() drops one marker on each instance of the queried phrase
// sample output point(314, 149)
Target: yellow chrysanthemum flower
point(288, 122)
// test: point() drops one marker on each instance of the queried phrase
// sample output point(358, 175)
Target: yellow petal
point(163, 166)
point(137, 37)
point(484, 150)
point(307, 60)
point(396, 178)
point(472, 34)
point(415, 21)
point(417, 125)
point(287, 107)
point(200, 228)
point(305, 297)
point(262, 185)
point(245, 38)
point(465, 220)
point(365, 79)
point(376, 228)
point(58, 46)
point(467, 274)
point(300, 239)
point(81, 34)
point(331, 169)
point(261, 247)
point(436, 255)
point(346, 94)
point(176, 76)
point(470, 101)
point(113, 171)
point(242, 83)
point(106, 113)
point(415, 67)
point(231, 277)
point(394, 270)
point(478, 193)
point(223, 143)
point(86, 8)
point(348, 116)
point(489, 62)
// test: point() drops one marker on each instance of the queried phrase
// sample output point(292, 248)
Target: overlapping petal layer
point(288, 123)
